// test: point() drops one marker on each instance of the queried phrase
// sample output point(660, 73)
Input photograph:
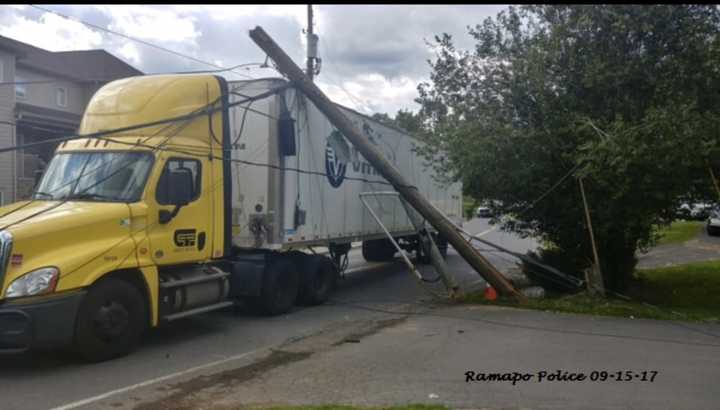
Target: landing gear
point(423, 247)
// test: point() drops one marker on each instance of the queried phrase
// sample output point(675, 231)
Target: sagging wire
point(212, 188)
point(98, 134)
point(147, 43)
point(70, 197)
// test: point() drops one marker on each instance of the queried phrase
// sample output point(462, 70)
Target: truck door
point(186, 237)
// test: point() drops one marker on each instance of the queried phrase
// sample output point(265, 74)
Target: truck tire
point(280, 287)
point(111, 320)
point(319, 280)
point(378, 250)
point(423, 252)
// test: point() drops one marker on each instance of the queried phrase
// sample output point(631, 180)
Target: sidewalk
point(423, 357)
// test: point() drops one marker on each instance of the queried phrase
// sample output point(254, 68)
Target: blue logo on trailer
point(334, 168)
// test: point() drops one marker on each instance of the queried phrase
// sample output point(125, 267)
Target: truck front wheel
point(110, 321)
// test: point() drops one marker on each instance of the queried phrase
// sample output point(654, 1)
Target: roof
point(81, 66)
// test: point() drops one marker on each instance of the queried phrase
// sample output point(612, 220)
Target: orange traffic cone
point(490, 293)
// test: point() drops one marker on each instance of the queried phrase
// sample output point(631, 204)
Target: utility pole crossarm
point(386, 169)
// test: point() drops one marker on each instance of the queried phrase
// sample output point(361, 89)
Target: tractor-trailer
point(188, 193)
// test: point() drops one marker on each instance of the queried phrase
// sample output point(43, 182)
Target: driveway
point(702, 248)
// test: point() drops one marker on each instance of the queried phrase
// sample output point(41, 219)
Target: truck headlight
point(36, 282)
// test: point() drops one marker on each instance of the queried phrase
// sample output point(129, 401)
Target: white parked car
point(483, 212)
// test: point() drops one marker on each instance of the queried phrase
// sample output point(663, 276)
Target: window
point(96, 176)
point(20, 89)
point(61, 97)
point(2, 71)
point(173, 164)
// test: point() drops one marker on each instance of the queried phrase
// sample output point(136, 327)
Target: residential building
point(43, 95)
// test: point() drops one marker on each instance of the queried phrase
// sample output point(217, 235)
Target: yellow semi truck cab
point(80, 260)
point(176, 203)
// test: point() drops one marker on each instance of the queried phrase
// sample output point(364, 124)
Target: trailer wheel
point(423, 251)
point(110, 322)
point(423, 248)
point(319, 281)
point(280, 287)
point(378, 250)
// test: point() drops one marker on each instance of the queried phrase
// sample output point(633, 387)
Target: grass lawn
point(684, 292)
point(680, 231)
point(469, 205)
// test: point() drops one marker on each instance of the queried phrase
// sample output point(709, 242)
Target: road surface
point(43, 380)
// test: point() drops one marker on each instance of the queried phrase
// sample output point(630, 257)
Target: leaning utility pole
point(595, 283)
point(376, 159)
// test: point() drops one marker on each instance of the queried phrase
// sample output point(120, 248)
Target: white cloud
point(149, 23)
point(130, 52)
point(373, 55)
point(53, 33)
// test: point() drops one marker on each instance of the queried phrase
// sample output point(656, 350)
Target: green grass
point(684, 292)
point(679, 232)
point(340, 407)
point(469, 205)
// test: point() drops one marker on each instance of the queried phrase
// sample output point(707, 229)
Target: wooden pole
point(310, 70)
point(376, 159)
point(597, 278)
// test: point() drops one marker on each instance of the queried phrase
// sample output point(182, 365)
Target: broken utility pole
point(386, 169)
point(595, 280)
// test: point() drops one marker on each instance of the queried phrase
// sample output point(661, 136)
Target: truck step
point(196, 311)
point(190, 281)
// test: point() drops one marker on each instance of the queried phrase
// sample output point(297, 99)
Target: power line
point(354, 100)
point(167, 50)
point(209, 109)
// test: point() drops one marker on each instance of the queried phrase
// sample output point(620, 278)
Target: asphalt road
point(43, 380)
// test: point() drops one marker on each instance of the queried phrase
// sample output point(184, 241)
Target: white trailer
point(309, 195)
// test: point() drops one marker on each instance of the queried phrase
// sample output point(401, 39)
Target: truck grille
point(6, 242)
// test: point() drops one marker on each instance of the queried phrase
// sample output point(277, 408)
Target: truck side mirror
point(180, 193)
point(180, 187)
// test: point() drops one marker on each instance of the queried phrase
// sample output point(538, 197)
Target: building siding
point(7, 128)
point(44, 95)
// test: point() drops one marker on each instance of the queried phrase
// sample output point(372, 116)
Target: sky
point(373, 56)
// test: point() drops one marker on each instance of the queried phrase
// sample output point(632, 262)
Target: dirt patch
point(379, 325)
point(226, 379)
point(200, 391)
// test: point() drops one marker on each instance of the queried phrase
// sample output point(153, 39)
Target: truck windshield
point(96, 176)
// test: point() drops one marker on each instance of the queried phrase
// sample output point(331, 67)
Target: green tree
point(627, 96)
point(404, 119)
